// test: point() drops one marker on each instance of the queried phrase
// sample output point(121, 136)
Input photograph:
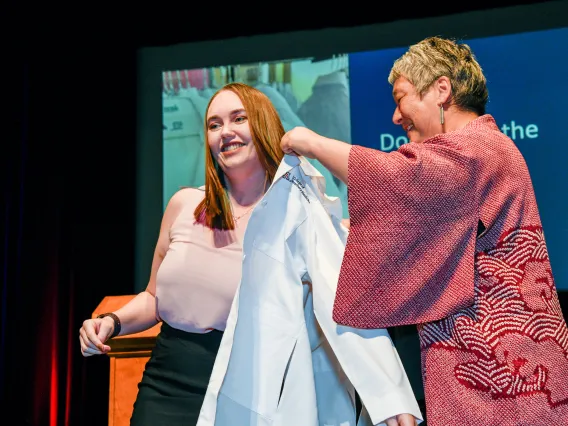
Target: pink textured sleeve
point(409, 257)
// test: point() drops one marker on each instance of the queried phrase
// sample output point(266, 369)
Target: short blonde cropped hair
point(434, 57)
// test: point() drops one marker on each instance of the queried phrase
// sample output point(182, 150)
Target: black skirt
point(175, 378)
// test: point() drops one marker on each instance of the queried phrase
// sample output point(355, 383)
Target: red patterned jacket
point(446, 234)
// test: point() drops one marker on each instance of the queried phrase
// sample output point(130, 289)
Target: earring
point(441, 113)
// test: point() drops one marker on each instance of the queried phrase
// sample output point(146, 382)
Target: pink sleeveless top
point(199, 275)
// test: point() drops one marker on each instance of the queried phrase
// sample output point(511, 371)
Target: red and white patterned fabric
point(493, 340)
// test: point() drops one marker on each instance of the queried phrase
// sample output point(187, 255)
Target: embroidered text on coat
point(298, 183)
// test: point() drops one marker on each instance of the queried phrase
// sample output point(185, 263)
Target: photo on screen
point(526, 98)
point(309, 92)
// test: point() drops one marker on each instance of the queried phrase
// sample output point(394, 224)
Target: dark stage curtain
point(68, 225)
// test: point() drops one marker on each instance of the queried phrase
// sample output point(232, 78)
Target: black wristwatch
point(117, 326)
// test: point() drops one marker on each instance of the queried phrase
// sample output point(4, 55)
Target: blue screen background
point(527, 77)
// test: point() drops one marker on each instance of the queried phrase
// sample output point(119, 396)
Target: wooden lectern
point(128, 357)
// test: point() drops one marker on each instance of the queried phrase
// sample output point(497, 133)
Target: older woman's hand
point(300, 141)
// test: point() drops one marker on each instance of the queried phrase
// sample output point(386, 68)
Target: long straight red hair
point(266, 130)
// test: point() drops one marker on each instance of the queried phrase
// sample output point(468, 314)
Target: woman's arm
point(333, 154)
point(138, 314)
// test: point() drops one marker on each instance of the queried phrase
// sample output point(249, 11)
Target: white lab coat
point(282, 359)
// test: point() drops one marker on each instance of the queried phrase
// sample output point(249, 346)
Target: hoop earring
point(442, 114)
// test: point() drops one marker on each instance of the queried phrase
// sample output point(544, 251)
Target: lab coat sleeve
point(367, 356)
point(335, 395)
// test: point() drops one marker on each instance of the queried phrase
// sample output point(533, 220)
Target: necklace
point(247, 211)
point(236, 218)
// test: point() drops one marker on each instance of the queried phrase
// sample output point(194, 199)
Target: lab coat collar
point(289, 161)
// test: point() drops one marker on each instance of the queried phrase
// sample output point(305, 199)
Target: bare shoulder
point(183, 199)
point(188, 195)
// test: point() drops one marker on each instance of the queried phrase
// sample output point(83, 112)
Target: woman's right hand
point(93, 335)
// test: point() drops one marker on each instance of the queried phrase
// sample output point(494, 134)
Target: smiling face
point(418, 116)
point(229, 135)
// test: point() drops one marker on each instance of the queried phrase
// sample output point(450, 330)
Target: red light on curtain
point(46, 400)
point(71, 346)
point(53, 397)
point(54, 380)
